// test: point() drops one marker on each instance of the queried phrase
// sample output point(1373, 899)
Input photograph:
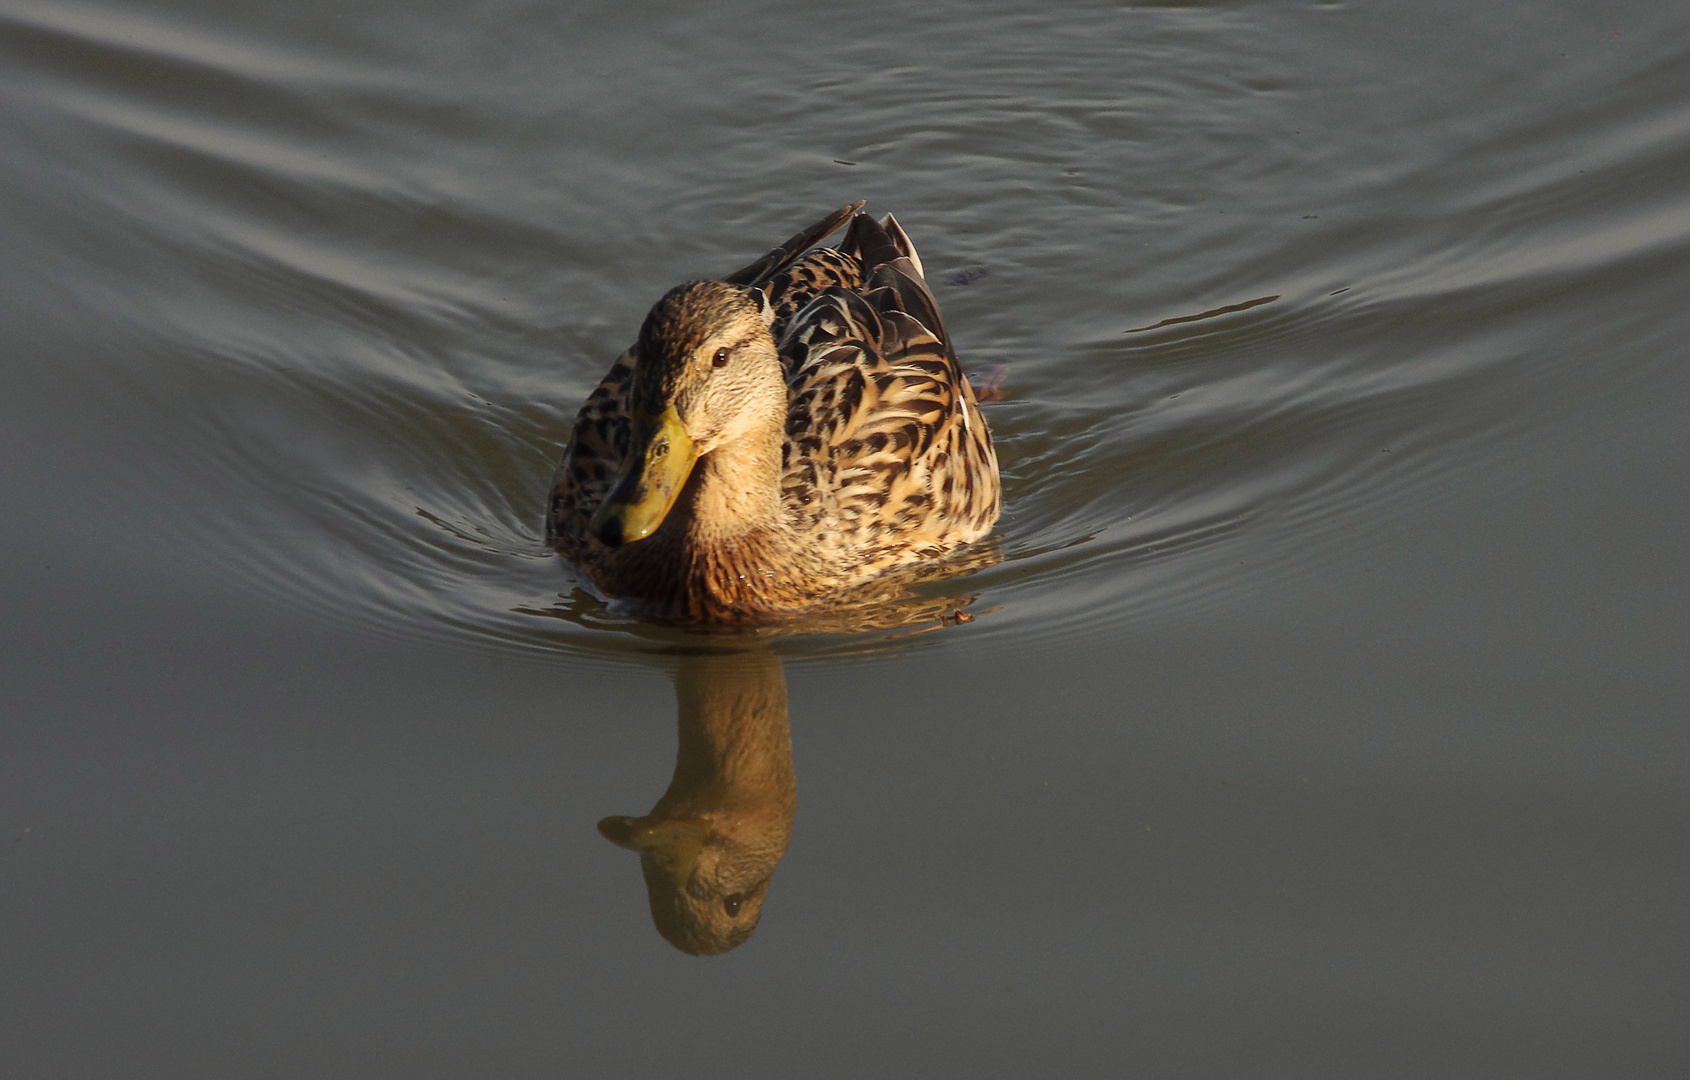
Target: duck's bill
point(660, 458)
point(672, 843)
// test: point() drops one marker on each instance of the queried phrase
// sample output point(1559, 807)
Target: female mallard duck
point(777, 436)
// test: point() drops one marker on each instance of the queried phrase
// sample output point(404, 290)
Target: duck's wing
point(590, 462)
point(783, 255)
point(789, 277)
point(791, 290)
point(887, 456)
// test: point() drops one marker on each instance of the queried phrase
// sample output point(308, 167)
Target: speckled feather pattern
point(886, 459)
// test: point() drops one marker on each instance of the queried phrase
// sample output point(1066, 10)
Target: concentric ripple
point(371, 303)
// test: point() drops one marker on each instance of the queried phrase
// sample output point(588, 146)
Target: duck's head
point(707, 374)
point(706, 887)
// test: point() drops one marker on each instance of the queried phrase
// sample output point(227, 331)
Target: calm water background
point(1326, 717)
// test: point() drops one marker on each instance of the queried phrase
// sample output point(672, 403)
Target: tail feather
point(902, 242)
point(869, 242)
point(893, 272)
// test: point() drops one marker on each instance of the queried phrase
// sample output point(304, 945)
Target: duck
point(778, 437)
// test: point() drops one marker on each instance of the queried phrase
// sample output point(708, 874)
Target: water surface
point(1324, 715)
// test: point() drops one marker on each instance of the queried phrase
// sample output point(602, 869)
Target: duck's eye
point(730, 904)
point(721, 360)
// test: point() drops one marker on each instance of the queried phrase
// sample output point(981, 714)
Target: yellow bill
point(672, 843)
point(660, 458)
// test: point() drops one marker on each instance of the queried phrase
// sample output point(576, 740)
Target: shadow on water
point(710, 845)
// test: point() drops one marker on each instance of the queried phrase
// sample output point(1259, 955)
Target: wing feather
point(597, 445)
point(784, 254)
point(884, 439)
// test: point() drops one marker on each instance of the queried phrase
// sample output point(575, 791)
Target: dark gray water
point(1325, 716)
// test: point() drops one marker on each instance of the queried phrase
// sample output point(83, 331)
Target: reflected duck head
point(705, 883)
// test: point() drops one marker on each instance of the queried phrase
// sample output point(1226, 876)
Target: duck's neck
point(734, 763)
point(731, 553)
point(736, 492)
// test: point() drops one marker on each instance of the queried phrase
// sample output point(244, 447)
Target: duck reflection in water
point(709, 847)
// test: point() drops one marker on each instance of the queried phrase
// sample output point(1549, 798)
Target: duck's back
point(887, 458)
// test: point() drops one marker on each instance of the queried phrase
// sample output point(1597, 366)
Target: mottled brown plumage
point(835, 435)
